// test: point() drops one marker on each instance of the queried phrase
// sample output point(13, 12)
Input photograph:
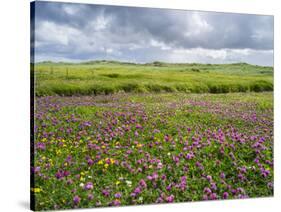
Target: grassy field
point(111, 134)
point(129, 149)
point(106, 77)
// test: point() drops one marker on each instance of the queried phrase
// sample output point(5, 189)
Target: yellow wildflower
point(36, 190)
point(139, 145)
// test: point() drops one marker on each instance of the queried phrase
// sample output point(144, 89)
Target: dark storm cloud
point(81, 31)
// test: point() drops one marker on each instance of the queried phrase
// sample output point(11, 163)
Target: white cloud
point(197, 24)
point(161, 45)
point(200, 55)
point(71, 9)
point(55, 58)
point(100, 23)
point(87, 32)
point(57, 34)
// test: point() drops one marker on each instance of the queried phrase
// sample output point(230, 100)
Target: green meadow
point(115, 134)
point(108, 77)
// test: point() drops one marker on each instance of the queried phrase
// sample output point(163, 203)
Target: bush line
point(72, 89)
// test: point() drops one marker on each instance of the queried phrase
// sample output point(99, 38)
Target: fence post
point(67, 72)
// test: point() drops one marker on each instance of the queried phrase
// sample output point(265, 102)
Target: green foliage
point(226, 133)
point(107, 77)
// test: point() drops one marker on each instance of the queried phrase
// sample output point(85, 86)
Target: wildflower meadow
point(139, 105)
point(133, 149)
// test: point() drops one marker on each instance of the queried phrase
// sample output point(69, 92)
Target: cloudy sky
point(79, 32)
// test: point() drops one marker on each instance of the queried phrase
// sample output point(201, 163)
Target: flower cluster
point(121, 149)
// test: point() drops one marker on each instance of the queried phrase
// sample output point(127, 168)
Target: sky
point(81, 32)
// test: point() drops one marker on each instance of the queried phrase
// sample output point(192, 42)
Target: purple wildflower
point(159, 200)
point(115, 202)
point(142, 183)
point(41, 146)
point(170, 198)
point(76, 199)
point(90, 162)
point(207, 190)
point(154, 176)
point(270, 185)
point(189, 156)
point(225, 195)
point(90, 196)
point(209, 178)
point(213, 196)
point(118, 195)
point(205, 197)
point(137, 190)
point(105, 193)
point(213, 186)
point(89, 186)
point(149, 177)
point(61, 173)
point(136, 133)
point(36, 169)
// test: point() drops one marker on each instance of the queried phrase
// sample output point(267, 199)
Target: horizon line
point(145, 63)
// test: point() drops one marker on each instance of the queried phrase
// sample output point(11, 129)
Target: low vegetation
point(107, 77)
point(132, 149)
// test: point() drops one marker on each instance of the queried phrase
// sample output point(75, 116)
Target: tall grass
point(103, 77)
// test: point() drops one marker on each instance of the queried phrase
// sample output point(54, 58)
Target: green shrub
point(259, 86)
point(129, 87)
point(113, 75)
point(195, 70)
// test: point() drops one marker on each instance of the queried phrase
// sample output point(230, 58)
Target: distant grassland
point(106, 77)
